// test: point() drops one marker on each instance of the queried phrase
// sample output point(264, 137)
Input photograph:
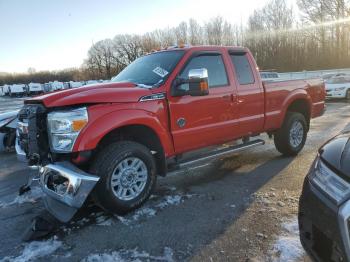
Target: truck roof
point(202, 48)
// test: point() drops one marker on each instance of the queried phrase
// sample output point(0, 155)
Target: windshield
point(150, 70)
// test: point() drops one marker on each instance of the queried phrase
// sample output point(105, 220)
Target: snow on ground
point(287, 247)
point(130, 255)
point(170, 200)
point(147, 212)
point(31, 196)
point(144, 212)
point(35, 250)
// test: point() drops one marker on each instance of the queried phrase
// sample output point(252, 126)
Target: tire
point(347, 96)
point(109, 166)
point(288, 143)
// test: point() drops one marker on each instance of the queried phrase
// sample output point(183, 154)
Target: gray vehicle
point(8, 124)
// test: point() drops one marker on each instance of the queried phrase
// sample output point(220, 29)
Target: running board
point(216, 154)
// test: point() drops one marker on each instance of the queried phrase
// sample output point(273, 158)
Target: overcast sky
point(50, 35)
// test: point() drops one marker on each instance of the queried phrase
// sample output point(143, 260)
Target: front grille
point(32, 134)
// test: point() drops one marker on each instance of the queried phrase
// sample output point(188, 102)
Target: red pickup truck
point(110, 141)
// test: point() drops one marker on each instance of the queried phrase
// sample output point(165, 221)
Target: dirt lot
point(241, 208)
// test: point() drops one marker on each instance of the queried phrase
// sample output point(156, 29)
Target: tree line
point(316, 37)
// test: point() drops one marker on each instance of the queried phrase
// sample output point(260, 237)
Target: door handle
point(228, 97)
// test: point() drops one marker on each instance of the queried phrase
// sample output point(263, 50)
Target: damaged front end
point(66, 187)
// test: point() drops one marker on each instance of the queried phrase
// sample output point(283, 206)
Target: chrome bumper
point(21, 155)
point(66, 187)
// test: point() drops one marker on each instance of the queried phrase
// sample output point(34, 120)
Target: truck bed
point(277, 94)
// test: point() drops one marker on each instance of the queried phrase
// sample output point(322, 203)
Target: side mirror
point(197, 84)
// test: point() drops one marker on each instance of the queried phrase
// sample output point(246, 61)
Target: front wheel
point(127, 172)
point(290, 138)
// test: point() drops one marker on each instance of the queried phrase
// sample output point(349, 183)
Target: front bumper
point(21, 155)
point(66, 188)
point(324, 231)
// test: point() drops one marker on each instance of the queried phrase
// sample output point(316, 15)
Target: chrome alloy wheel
point(296, 134)
point(129, 178)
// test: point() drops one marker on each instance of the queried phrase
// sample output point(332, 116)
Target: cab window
point(213, 63)
point(243, 70)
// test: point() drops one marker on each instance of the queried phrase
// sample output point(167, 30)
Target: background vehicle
point(331, 75)
point(35, 88)
point(338, 87)
point(91, 82)
point(73, 84)
point(324, 209)
point(8, 124)
point(5, 89)
point(115, 138)
point(55, 85)
point(17, 90)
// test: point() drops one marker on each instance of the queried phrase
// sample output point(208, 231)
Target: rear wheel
point(290, 139)
point(127, 172)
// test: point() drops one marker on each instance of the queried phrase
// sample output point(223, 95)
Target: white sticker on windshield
point(160, 71)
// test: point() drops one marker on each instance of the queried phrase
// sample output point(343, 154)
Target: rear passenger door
point(250, 93)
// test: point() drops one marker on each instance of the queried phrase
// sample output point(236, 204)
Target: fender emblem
point(181, 122)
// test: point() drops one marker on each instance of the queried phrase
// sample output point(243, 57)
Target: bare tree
point(195, 33)
point(181, 32)
point(127, 48)
point(214, 31)
point(319, 40)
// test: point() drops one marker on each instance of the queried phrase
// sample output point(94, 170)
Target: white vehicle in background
point(73, 84)
point(8, 124)
point(35, 89)
point(328, 76)
point(47, 87)
point(55, 85)
point(338, 87)
point(66, 85)
point(17, 90)
point(5, 89)
point(268, 76)
point(91, 82)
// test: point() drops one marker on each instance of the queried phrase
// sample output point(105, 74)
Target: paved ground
point(234, 209)
point(10, 104)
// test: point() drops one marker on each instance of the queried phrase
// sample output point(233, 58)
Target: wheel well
point(301, 106)
point(140, 134)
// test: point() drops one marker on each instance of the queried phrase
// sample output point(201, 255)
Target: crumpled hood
point(336, 153)
point(92, 94)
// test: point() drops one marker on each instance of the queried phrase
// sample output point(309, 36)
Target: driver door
point(200, 121)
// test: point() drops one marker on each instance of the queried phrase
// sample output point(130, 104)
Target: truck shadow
point(186, 212)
